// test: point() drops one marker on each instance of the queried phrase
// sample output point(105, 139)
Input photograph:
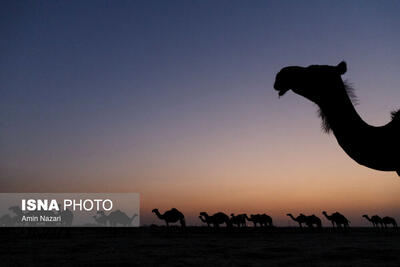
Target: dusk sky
point(175, 100)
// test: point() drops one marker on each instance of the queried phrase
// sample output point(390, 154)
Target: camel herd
point(382, 222)
point(337, 219)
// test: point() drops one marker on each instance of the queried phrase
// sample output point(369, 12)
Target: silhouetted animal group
point(235, 220)
point(337, 219)
point(382, 222)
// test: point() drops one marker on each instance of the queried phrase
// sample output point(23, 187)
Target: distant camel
point(262, 219)
point(101, 219)
point(171, 216)
point(299, 219)
point(389, 221)
point(216, 219)
point(375, 220)
point(119, 217)
point(267, 220)
point(255, 219)
point(313, 220)
point(373, 147)
point(338, 219)
point(238, 220)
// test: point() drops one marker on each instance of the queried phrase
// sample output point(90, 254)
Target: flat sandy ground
point(198, 246)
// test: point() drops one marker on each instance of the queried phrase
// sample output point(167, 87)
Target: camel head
point(324, 212)
point(155, 210)
point(313, 82)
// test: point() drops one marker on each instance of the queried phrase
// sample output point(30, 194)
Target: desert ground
point(161, 246)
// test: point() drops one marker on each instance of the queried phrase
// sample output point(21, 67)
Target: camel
point(375, 220)
point(266, 220)
point(238, 220)
point(368, 145)
point(262, 219)
point(338, 219)
point(119, 217)
point(255, 218)
point(313, 220)
point(101, 219)
point(389, 221)
point(171, 216)
point(216, 219)
point(299, 219)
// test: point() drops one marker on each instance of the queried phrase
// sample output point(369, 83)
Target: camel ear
point(342, 68)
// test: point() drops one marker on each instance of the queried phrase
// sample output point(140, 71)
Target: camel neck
point(341, 115)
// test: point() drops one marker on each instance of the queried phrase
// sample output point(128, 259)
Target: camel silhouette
point(371, 146)
point(171, 216)
point(338, 219)
point(238, 220)
point(313, 220)
point(261, 219)
point(255, 218)
point(310, 221)
point(389, 221)
point(101, 219)
point(299, 219)
point(375, 220)
point(266, 220)
point(215, 219)
point(119, 217)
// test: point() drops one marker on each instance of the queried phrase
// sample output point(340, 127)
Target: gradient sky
point(174, 100)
